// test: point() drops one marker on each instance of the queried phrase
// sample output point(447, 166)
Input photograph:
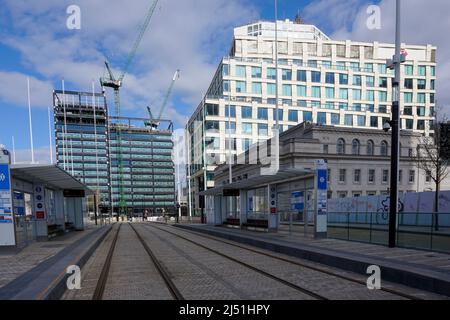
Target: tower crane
point(116, 84)
point(154, 122)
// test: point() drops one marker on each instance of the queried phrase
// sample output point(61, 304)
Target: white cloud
point(423, 22)
point(13, 89)
point(186, 35)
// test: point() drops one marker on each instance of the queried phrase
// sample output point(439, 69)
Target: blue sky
point(190, 35)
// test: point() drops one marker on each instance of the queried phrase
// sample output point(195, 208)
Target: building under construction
point(126, 160)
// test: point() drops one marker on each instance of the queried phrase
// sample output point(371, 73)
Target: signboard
point(7, 234)
point(297, 201)
point(231, 192)
point(321, 196)
point(39, 202)
point(18, 203)
point(74, 193)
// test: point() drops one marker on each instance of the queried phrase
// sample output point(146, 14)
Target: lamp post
point(397, 59)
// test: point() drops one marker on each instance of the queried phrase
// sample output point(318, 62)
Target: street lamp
point(397, 59)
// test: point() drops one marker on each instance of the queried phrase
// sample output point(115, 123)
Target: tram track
point(248, 266)
point(287, 260)
point(104, 275)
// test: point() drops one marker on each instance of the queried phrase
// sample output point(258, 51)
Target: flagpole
point(30, 121)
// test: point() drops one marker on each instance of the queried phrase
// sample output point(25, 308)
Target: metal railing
point(414, 230)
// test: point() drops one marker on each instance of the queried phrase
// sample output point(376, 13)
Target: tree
point(433, 155)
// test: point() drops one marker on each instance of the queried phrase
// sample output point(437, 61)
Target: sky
point(190, 35)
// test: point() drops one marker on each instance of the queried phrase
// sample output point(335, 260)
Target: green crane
point(154, 122)
point(116, 84)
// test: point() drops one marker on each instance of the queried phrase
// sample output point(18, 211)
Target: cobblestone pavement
point(132, 274)
point(327, 285)
point(202, 275)
point(15, 264)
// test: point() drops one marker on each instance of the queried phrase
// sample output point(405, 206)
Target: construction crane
point(116, 84)
point(154, 122)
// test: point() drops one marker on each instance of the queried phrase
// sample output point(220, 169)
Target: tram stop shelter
point(46, 201)
point(266, 201)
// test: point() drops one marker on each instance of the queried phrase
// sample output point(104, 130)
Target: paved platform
point(38, 270)
point(423, 270)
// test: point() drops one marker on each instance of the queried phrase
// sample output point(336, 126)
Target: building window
point(356, 147)
point(230, 127)
point(412, 176)
point(262, 113)
point(342, 175)
point(374, 122)
point(225, 70)
point(246, 128)
point(301, 75)
point(371, 177)
point(315, 92)
point(432, 84)
point(287, 90)
point(263, 129)
point(246, 112)
point(370, 81)
point(421, 98)
point(280, 114)
point(271, 89)
point(246, 144)
point(256, 72)
point(408, 83)
point(382, 68)
point(256, 88)
point(335, 119)
point(407, 97)
point(307, 115)
point(231, 141)
point(433, 71)
point(240, 71)
point(343, 78)
point(368, 67)
point(230, 111)
point(361, 121)
point(342, 194)
point(408, 70)
point(420, 124)
point(357, 176)
point(271, 73)
point(384, 148)
point(343, 93)
point(293, 115)
point(356, 94)
point(315, 76)
point(382, 96)
point(286, 74)
point(348, 120)
point(422, 71)
point(421, 84)
point(325, 149)
point(241, 86)
point(356, 80)
point(383, 82)
point(428, 176)
point(355, 65)
point(329, 93)
point(370, 96)
point(329, 77)
point(385, 176)
point(212, 110)
point(340, 148)
point(321, 118)
point(370, 148)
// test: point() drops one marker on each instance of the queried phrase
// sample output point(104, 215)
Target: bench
point(256, 223)
point(233, 221)
point(53, 230)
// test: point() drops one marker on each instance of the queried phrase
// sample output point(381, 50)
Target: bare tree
point(433, 158)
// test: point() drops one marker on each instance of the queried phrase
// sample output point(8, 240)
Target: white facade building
point(340, 83)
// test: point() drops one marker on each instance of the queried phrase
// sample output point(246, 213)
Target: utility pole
point(394, 123)
point(31, 124)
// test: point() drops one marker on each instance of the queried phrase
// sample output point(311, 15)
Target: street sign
point(7, 235)
point(321, 197)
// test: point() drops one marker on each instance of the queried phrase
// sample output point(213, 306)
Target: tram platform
point(420, 269)
point(38, 272)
